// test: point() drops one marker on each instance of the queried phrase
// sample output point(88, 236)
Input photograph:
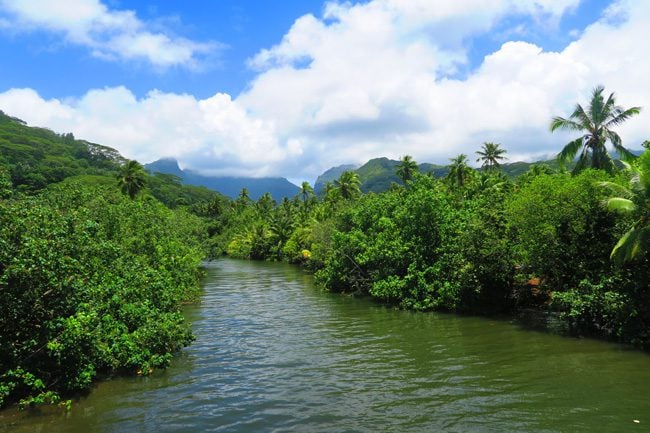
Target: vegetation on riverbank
point(488, 245)
point(478, 241)
point(97, 255)
point(91, 279)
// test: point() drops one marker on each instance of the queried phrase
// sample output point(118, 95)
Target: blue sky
point(238, 28)
point(291, 88)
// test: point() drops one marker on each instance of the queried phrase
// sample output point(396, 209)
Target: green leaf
point(620, 204)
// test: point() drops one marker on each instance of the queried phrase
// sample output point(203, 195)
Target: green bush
point(92, 283)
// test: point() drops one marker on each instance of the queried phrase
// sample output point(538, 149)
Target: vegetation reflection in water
point(273, 353)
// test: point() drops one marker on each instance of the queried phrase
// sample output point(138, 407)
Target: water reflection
point(274, 353)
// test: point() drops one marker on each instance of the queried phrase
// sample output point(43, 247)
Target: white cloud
point(109, 34)
point(371, 80)
point(213, 135)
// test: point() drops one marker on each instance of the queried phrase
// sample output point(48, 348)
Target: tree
point(348, 185)
point(491, 154)
point(596, 123)
point(459, 171)
point(132, 178)
point(306, 192)
point(265, 204)
point(406, 168)
point(633, 201)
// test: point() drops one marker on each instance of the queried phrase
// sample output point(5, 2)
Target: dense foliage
point(91, 284)
point(476, 241)
point(91, 279)
point(97, 255)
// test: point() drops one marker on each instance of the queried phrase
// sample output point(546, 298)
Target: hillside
point(278, 187)
point(330, 176)
point(36, 157)
point(378, 174)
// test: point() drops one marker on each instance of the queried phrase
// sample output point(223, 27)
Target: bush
point(92, 283)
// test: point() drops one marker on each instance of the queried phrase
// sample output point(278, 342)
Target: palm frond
point(616, 189)
point(623, 250)
point(596, 105)
point(581, 117)
point(620, 204)
point(570, 150)
point(610, 109)
point(622, 116)
point(562, 123)
point(643, 162)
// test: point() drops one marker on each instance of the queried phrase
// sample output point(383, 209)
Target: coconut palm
point(406, 168)
point(265, 204)
point(491, 154)
point(348, 185)
point(306, 191)
point(634, 201)
point(132, 178)
point(596, 124)
point(459, 171)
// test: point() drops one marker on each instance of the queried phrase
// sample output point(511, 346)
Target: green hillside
point(378, 174)
point(331, 175)
point(36, 157)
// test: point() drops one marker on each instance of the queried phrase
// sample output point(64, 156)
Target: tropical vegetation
point(93, 271)
point(596, 124)
point(491, 155)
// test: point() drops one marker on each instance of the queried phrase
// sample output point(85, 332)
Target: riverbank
point(273, 352)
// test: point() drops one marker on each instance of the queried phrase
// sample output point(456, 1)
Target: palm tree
point(596, 124)
point(244, 194)
point(491, 154)
point(306, 191)
point(459, 171)
point(131, 178)
point(634, 201)
point(265, 204)
point(348, 185)
point(406, 168)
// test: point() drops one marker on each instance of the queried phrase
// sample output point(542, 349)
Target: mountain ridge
point(230, 186)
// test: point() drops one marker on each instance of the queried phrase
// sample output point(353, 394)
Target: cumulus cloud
point(214, 135)
point(372, 79)
point(109, 34)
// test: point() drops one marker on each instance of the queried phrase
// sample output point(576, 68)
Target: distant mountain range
point(278, 187)
point(377, 174)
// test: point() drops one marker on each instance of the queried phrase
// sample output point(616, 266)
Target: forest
point(98, 256)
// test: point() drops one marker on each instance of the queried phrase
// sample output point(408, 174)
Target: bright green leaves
point(635, 203)
point(423, 249)
point(92, 283)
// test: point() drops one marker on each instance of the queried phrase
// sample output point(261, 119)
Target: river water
point(275, 354)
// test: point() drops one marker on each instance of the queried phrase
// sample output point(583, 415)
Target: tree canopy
point(596, 124)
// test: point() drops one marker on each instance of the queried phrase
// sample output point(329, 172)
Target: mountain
point(330, 176)
point(378, 174)
point(37, 157)
point(278, 187)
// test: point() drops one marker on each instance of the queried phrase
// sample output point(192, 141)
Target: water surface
point(274, 354)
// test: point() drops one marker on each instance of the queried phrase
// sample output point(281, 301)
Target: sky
point(292, 88)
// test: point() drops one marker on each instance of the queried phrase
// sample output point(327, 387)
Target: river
point(275, 354)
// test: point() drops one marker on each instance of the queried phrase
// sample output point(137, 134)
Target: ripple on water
point(274, 354)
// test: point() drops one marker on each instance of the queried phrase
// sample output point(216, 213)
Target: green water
point(275, 354)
